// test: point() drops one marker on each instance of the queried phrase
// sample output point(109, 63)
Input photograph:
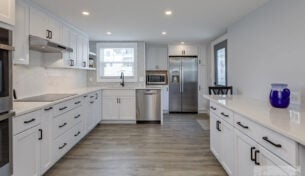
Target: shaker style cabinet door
point(7, 11)
point(127, 108)
point(26, 153)
point(215, 139)
point(110, 108)
point(227, 144)
point(38, 23)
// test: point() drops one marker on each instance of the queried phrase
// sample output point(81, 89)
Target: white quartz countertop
point(289, 122)
point(21, 108)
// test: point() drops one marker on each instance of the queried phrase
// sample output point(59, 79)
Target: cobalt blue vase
point(279, 95)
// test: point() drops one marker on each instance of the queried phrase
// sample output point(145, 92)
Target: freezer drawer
point(148, 105)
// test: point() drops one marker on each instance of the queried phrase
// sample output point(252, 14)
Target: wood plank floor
point(178, 148)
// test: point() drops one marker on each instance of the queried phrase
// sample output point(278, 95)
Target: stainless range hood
point(46, 46)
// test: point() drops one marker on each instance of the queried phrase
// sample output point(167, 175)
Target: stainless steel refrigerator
point(183, 84)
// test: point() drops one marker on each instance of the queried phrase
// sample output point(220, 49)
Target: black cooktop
point(45, 98)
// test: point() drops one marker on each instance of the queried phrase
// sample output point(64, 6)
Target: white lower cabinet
point(26, 152)
point(215, 135)
point(165, 99)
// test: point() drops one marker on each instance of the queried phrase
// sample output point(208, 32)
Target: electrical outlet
point(295, 98)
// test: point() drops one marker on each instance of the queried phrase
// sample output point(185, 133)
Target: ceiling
point(192, 21)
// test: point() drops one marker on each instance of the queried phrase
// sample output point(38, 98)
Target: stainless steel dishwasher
point(148, 106)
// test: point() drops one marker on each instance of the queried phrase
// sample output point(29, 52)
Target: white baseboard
point(118, 122)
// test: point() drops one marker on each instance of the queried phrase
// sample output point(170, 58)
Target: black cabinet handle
point(91, 102)
point(225, 115)
point(240, 124)
point(78, 102)
point(29, 121)
point(51, 35)
point(63, 146)
point(48, 34)
point(78, 133)
point(48, 109)
point(85, 96)
point(255, 155)
point(272, 143)
point(76, 117)
point(213, 108)
point(92, 96)
point(62, 125)
point(41, 135)
point(218, 125)
point(251, 154)
point(63, 108)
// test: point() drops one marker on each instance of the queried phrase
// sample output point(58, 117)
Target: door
point(26, 153)
point(227, 150)
point(127, 108)
point(175, 99)
point(7, 11)
point(220, 63)
point(110, 108)
point(189, 84)
point(245, 161)
point(215, 139)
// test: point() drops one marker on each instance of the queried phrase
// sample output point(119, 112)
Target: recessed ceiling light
point(182, 43)
point(168, 12)
point(86, 13)
point(109, 33)
point(164, 33)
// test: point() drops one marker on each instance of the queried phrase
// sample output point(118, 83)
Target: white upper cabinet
point(44, 26)
point(80, 52)
point(21, 34)
point(156, 57)
point(182, 50)
point(7, 11)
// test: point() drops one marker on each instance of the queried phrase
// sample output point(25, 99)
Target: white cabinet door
point(156, 57)
point(46, 141)
point(80, 52)
point(85, 52)
point(21, 34)
point(7, 11)
point(26, 153)
point(66, 42)
point(190, 50)
point(245, 161)
point(182, 50)
point(56, 30)
point(227, 147)
point(73, 45)
point(165, 99)
point(175, 50)
point(215, 136)
point(127, 108)
point(110, 108)
point(38, 23)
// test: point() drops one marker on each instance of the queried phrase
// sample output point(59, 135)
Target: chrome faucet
point(122, 79)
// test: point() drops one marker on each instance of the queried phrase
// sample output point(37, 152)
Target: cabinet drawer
point(214, 108)
point(63, 107)
point(278, 144)
point(61, 146)
point(61, 124)
point(246, 126)
point(119, 93)
point(77, 102)
point(27, 121)
point(76, 116)
point(225, 114)
point(77, 133)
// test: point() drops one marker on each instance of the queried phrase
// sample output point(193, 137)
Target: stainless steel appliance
point(44, 45)
point(45, 98)
point(148, 105)
point(156, 77)
point(5, 70)
point(183, 84)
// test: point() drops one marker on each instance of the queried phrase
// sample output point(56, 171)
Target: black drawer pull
point(62, 125)
point(76, 117)
point(63, 146)
point(255, 155)
point(251, 154)
point(272, 143)
point(63, 108)
point(78, 133)
point(41, 135)
point(78, 102)
point(240, 124)
point(29, 121)
point(91, 102)
point(92, 96)
point(48, 109)
point(85, 96)
point(218, 125)
point(225, 115)
point(213, 108)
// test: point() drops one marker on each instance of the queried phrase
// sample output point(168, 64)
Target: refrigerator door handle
point(182, 79)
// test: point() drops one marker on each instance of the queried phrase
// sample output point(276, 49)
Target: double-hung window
point(113, 59)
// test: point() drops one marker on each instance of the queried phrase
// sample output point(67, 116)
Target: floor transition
point(178, 148)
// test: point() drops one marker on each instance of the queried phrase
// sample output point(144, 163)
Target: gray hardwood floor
point(178, 148)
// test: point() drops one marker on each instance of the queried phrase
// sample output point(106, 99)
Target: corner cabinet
point(7, 11)
point(182, 50)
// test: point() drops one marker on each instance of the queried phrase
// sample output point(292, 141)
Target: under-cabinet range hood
point(46, 46)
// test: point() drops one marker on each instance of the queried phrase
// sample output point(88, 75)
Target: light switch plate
point(295, 98)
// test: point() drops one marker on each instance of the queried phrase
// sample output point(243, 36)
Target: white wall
point(268, 46)
point(35, 79)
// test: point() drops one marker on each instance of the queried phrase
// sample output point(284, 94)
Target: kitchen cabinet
point(21, 34)
point(69, 39)
point(215, 139)
point(82, 52)
point(7, 11)
point(94, 110)
point(165, 99)
point(44, 26)
point(156, 57)
point(26, 152)
point(118, 105)
point(182, 50)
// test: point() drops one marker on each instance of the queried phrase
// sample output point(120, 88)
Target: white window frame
point(117, 45)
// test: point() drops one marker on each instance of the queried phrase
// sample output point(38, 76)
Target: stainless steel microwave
point(156, 78)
